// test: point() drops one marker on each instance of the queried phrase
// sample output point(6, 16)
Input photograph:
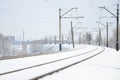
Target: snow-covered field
point(104, 66)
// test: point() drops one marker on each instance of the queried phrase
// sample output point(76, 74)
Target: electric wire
point(52, 4)
point(93, 6)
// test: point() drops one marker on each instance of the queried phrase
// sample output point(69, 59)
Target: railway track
point(67, 66)
point(58, 61)
point(46, 62)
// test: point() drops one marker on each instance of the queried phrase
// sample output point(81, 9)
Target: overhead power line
point(13, 13)
point(93, 6)
point(52, 4)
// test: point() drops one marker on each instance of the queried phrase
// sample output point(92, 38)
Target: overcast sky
point(39, 18)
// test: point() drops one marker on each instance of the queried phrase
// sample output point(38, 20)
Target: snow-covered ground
point(104, 66)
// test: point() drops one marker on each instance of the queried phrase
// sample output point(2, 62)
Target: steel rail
point(9, 72)
point(60, 69)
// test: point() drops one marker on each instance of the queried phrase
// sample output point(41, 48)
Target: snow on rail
point(20, 63)
point(70, 65)
point(105, 66)
point(25, 74)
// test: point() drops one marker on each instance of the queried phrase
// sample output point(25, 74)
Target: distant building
point(11, 39)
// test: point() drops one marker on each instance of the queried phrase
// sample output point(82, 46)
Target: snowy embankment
point(104, 66)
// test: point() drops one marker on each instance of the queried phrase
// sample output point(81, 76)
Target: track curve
point(54, 62)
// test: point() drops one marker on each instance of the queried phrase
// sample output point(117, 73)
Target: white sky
point(39, 18)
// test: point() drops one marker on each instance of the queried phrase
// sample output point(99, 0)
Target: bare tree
point(112, 40)
point(5, 46)
point(36, 46)
point(88, 37)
